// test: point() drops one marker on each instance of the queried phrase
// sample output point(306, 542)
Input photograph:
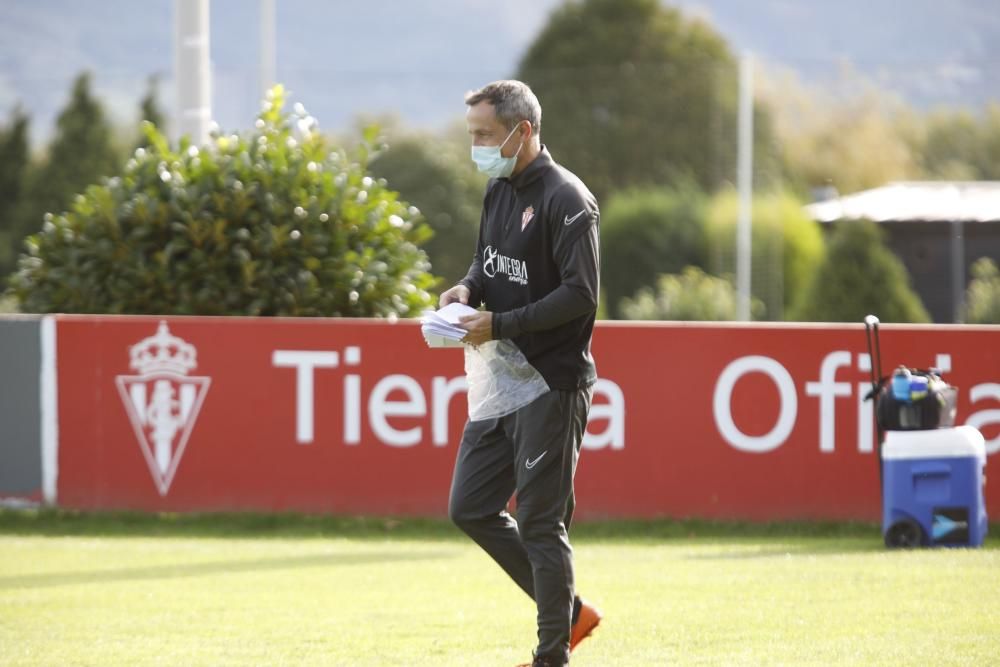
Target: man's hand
point(479, 326)
point(457, 293)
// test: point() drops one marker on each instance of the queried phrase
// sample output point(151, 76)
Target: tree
point(435, 174)
point(850, 135)
point(276, 222)
point(786, 247)
point(634, 94)
point(982, 301)
point(14, 160)
point(692, 296)
point(149, 111)
point(858, 276)
point(646, 233)
point(960, 145)
point(80, 154)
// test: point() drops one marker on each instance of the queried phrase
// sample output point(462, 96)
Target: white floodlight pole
point(268, 48)
point(745, 187)
point(191, 70)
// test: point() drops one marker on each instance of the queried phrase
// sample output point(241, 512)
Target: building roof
point(966, 201)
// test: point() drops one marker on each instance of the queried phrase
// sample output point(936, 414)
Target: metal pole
point(268, 49)
point(957, 272)
point(745, 187)
point(191, 70)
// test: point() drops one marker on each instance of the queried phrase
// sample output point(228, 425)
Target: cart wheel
point(904, 534)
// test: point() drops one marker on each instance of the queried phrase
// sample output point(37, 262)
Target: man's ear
point(527, 131)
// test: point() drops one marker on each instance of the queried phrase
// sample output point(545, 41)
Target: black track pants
point(532, 452)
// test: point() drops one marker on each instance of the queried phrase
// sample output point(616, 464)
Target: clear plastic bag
point(500, 380)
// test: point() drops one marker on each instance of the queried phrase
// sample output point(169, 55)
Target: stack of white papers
point(440, 327)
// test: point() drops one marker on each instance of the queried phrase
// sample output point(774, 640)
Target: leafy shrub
point(860, 275)
point(275, 222)
point(693, 295)
point(437, 176)
point(982, 301)
point(787, 246)
point(646, 233)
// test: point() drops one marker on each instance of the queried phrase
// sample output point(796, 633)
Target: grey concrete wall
point(20, 406)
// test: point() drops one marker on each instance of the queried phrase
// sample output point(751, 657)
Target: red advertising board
point(760, 422)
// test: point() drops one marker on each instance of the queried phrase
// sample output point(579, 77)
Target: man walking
point(536, 270)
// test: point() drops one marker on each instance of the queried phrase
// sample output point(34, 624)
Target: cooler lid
point(960, 441)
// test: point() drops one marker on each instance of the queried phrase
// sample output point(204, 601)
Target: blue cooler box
point(932, 487)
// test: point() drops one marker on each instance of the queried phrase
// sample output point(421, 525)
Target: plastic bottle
point(901, 384)
point(918, 387)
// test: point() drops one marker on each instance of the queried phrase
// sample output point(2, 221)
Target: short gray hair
point(513, 102)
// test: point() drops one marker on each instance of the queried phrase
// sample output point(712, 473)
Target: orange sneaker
point(588, 618)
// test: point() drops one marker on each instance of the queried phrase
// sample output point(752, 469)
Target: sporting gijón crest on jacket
point(539, 233)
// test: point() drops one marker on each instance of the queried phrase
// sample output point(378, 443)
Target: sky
point(343, 58)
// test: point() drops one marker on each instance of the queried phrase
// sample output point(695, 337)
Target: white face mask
point(489, 160)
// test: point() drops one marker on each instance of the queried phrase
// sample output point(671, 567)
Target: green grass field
point(291, 590)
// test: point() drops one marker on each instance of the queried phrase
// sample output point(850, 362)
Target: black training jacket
point(536, 268)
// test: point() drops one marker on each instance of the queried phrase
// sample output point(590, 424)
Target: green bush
point(860, 276)
point(646, 233)
point(275, 222)
point(787, 246)
point(692, 296)
point(437, 176)
point(982, 300)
